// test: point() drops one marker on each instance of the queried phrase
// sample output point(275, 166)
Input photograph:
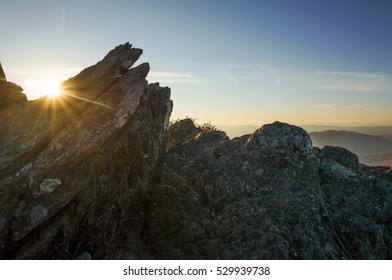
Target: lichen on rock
point(49, 185)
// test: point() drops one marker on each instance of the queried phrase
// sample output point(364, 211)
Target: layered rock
point(74, 170)
point(268, 196)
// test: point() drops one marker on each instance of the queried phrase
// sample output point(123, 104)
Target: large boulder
point(74, 171)
point(281, 137)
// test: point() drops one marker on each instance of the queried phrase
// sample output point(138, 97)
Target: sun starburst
point(51, 88)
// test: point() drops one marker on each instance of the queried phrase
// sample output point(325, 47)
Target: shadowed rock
point(10, 93)
point(75, 170)
point(268, 196)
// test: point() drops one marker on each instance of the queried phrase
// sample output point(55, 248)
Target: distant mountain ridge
point(370, 149)
point(371, 130)
point(372, 144)
point(381, 131)
point(385, 136)
point(358, 143)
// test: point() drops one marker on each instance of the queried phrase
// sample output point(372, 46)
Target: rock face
point(74, 170)
point(97, 174)
point(10, 93)
point(268, 196)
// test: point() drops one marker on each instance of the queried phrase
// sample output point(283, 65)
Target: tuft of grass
point(206, 127)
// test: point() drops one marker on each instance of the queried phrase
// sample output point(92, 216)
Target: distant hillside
point(385, 136)
point(381, 131)
point(372, 144)
point(382, 159)
point(370, 130)
point(370, 149)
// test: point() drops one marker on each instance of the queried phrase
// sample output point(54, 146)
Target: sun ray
point(88, 100)
point(58, 107)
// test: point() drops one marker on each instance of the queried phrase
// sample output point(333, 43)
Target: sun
point(51, 88)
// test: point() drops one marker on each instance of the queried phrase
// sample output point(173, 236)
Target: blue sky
point(229, 62)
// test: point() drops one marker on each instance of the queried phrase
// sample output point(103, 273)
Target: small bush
point(206, 127)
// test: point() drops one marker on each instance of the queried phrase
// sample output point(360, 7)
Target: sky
point(229, 62)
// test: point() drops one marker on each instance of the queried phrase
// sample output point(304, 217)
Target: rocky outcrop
point(97, 174)
point(74, 170)
point(268, 196)
point(280, 137)
point(10, 93)
point(359, 199)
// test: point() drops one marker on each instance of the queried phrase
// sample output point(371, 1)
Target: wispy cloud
point(243, 66)
point(345, 87)
point(355, 75)
point(236, 72)
point(350, 81)
point(172, 77)
point(338, 108)
point(315, 80)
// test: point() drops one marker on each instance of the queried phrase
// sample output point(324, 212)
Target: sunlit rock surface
point(74, 169)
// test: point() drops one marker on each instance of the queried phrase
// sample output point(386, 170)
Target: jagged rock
point(96, 79)
point(10, 93)
point(3, 78)
point(268, 196)
point(74, 171)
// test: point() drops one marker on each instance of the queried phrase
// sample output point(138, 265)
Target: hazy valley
point(372, 144)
